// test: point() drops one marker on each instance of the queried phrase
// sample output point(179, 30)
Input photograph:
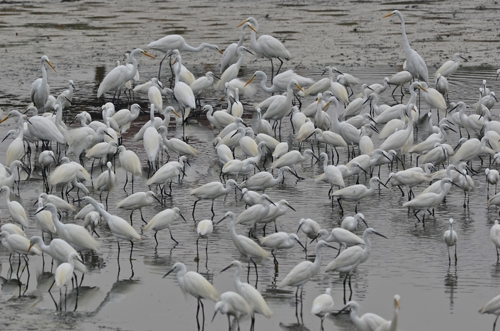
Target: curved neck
point(263, 82)
point(253, 41)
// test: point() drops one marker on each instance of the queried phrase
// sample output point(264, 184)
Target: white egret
point(399, 79)
point(66, 96)
point(59, 250)
point(16, 210)
point(230, 55)
point(267, 46)
point(278, 241)
point(264, 180)
point(303, 272)
point(138, 200)
point(449, 67)
point(130, 162)
point(492, 307)
point(428, 200)
point(280, 82)
point(414, 62)
point(163, 220)
point(246, 246)
point(60, 204)
point(450, 238)
point(40, 89)
point(348, 260)
point(232, 71)
point(44, 219)
point(124, 117)
point(176, 145)
point(18, 244)
point(105, 182)
point(342, 236)
point(212, 191)
point(332, 173)
point(74, 234)
point(495, 236)
point(151, 141)
point(351, 222)
point(195, 284)
point(120, 228)
point(249, 293)
point(231, 303)
point(175, 41)
point(117, 77)
point(64, 272)
point(355, 192)
point(322, 305)
point(292, 158)
point(204, 230)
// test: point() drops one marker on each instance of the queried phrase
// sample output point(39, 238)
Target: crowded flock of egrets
point(325, 115)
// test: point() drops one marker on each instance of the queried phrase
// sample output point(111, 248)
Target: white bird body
point(323, 305)
point(163, 219)
point(129, 161)
point(449, 67)
point(40, 89)
point(106, 181)
point(304, 271)
point(492, 307)
point(64, 272)
point(152, 140)
point(356, 192)
point(350, 223)
point(16, 210)
point(75, 235)
point(249, 293)
point(450, 238)
point(59, 250)
point(120, 228)
point(367, 322)
point(414, 62)
point(176, 145)
point(231, 303)
point(60, 204)
point(193, 283)
point(137, 200)
point(263, 180)
point(117, 77)
point(18, 244)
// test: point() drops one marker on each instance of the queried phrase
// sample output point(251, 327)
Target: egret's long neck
point(406, 44)
point(263, 84)
point(394, 322)
point(44, 73)
point(253, 41)
point(100, 210)
point(317, 260)
point(132, 73)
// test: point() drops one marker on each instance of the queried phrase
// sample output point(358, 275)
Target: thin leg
point(176, 242)
point(194, 206)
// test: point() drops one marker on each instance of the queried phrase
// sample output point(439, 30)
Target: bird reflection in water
point(450, 284)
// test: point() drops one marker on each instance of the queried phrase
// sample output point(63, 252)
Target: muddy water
point(84, 40)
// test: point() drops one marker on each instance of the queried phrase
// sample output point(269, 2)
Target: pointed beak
point(5, 118)
point(220, 50)
point(147, 54)
point(229, 266)
point(290, 207)
point(41, 209)
point(51, 65)
point(379, 234)
point(168, 273)
point(382, 183)
point(299, 227)
point(300, 243)
point(250, 80)
point(182, 217)
point(245, 21)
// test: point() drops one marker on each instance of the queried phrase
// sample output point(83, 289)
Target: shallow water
point(84, 39)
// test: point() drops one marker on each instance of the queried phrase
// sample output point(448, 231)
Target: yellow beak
point(300, 88)
point(176, 113)
point(147, 54)
point(388, 15)
point(250, 80)
point(50, 64)
point(5, 118)
point(245, 21)
point(422, 88)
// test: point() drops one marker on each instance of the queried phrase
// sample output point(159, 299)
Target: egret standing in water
point(163, 220)
point(138, 200)
point(492, 307)
point(495, 237)
point(195, 284)
point(414, 62)
point(303, 272)
point(348, 260)
point(323, 305)
point(267, 46)
point(212, 191)
point(450, 238)
point(249, 293)
point(121, 74)
point(40, 89)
